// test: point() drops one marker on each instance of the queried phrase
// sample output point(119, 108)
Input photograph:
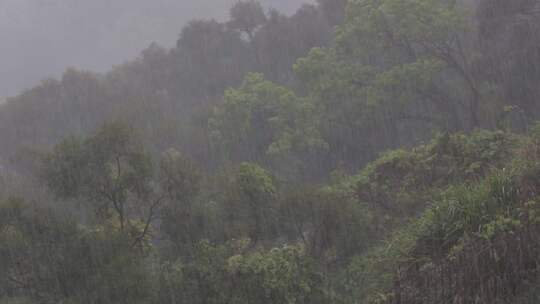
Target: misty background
point(41, 38)
point(345, 151)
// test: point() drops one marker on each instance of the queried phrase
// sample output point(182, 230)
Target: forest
point(354, 152)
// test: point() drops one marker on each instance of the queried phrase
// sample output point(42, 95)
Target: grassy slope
point(459, 219)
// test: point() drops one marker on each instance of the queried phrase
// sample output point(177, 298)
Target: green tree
point(209, 57)
point(261, 120)
point(250, 203)
point(398, 70)
point(280, 275)
point(182, 215)
point(49, 258)
point(395, 35)
point(110, 169)
point(507, 37)
point(247, 17)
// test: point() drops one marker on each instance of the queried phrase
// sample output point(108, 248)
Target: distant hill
point(42, 38)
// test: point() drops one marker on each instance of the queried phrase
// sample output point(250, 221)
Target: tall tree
point(247, 16)
point(250, 203)
point(180, 180)
point(110, 169)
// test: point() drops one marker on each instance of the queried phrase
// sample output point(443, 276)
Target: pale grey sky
point(40, 38)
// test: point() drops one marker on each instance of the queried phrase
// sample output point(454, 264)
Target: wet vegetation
point(361, 151)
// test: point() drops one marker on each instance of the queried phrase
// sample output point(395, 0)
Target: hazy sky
point(40, 38)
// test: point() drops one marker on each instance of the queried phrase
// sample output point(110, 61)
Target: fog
point(217, 151)
point(40, 38)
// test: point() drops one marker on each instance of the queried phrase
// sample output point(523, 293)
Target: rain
point(270, 151)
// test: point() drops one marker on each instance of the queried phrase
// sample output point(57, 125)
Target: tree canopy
point(361, 151)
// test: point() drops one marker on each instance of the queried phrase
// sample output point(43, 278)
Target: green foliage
point(453, 220)
point(466, 227)
point(410, 217)
point(430, 21)
point(185, 217)
point(330, 222)
point(269, 119)
point(49, 259)
point(219, 274)
point(402, 182)
point(202, 280)
point(247, 16)
point(179, 176)
point(255, 183)
point(281, 275)
point(250, 203)
point(108, 168)
point(64, 167)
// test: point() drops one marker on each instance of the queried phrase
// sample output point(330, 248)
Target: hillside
point(361, 151)
point(93, 35)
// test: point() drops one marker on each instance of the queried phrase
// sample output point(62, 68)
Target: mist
point(340, 151)
point(41, 38)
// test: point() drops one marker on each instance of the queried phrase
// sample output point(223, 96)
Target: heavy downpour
point(269, 151)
